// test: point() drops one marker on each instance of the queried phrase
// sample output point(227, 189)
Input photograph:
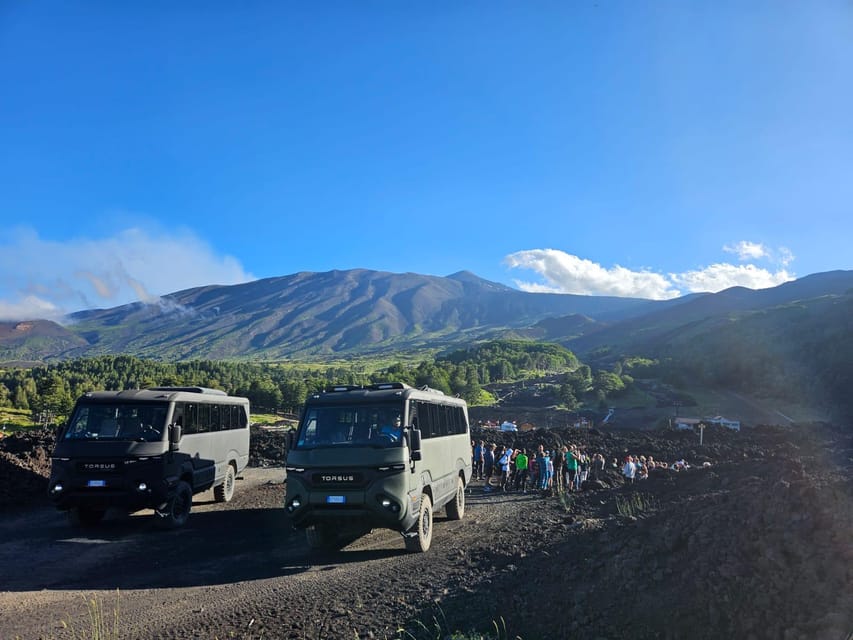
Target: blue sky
point(630, 148)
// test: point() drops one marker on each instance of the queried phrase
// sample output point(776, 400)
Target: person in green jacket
point(572, 459)
point(521, 464)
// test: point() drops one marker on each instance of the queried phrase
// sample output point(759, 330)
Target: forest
point(49, 391)
point(749, 358)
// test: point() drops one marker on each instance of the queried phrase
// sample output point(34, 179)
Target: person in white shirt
point(504, 463)
point(629, 470)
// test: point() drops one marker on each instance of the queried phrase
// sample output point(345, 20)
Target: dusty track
point(234, 571)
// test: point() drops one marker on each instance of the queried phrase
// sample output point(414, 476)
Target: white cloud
point(717, 277)
point(566, 273)
point(746, 250)
point(46, 279)
point(29, 308)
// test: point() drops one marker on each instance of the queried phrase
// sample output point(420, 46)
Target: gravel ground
point(757, 545)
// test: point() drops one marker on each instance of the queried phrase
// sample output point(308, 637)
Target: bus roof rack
point(431, 390)
point(377, 386)
point(341, 388)
point(205, 390)
point(380, 386)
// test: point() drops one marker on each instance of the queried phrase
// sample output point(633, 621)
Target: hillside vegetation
point(49, 391)
point(801, 352)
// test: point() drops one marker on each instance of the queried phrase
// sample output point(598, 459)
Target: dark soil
point(756, 545)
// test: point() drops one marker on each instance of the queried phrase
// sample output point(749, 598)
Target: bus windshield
point(377, 426)
point(119, 421)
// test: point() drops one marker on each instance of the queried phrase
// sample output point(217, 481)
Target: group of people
point(637, 467)
point(510, 468)
point(564, 468)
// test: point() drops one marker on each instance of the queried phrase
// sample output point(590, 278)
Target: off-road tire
point(456, 507)
point(419, 537)
point(225, 491)
point(176, 511)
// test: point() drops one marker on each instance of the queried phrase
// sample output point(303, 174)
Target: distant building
point(686, 424)
point(734, 425)
point(690, 424)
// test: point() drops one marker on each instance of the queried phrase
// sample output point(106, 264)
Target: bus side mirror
point(174, 437)
point(415, 444)
point(289, 440)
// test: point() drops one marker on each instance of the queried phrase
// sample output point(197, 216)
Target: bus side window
point(436, 423)
point(178, 415)
point(456, 419)
point(203, 421)
point(215, 418)
point(235, 415)
point(191, 419)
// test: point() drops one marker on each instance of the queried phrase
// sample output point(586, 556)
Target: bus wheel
point(321, 537)
point(456, 507)
point(85, 517)
point(419, 537)
point(225, 491)
point(176, 511)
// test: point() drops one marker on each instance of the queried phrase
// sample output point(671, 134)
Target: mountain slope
point(36, 340)
point(794, 341)
point(343, 313)
point(320, 314)
point(651, 334)
point(798, 351)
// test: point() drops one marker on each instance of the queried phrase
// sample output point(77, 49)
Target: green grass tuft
point(438, 629)
point(636, 504)
point(101, 624)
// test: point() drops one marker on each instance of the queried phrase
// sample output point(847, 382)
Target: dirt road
point(752, 542)
point(235, 571)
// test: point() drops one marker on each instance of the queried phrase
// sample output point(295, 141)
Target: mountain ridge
point(343, 313)
point(318, 314)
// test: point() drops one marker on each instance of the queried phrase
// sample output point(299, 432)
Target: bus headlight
point(142, 486)
point(387, 503)
point(294, 504)
point(57, 488)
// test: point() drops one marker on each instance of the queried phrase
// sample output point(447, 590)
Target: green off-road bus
point(379, 456)
point(148, 448)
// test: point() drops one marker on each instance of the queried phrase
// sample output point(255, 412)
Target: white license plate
point(336, 499)
point(96, 483)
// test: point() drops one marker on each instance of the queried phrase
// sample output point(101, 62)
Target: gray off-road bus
point(148, 448)
point(379, 456)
